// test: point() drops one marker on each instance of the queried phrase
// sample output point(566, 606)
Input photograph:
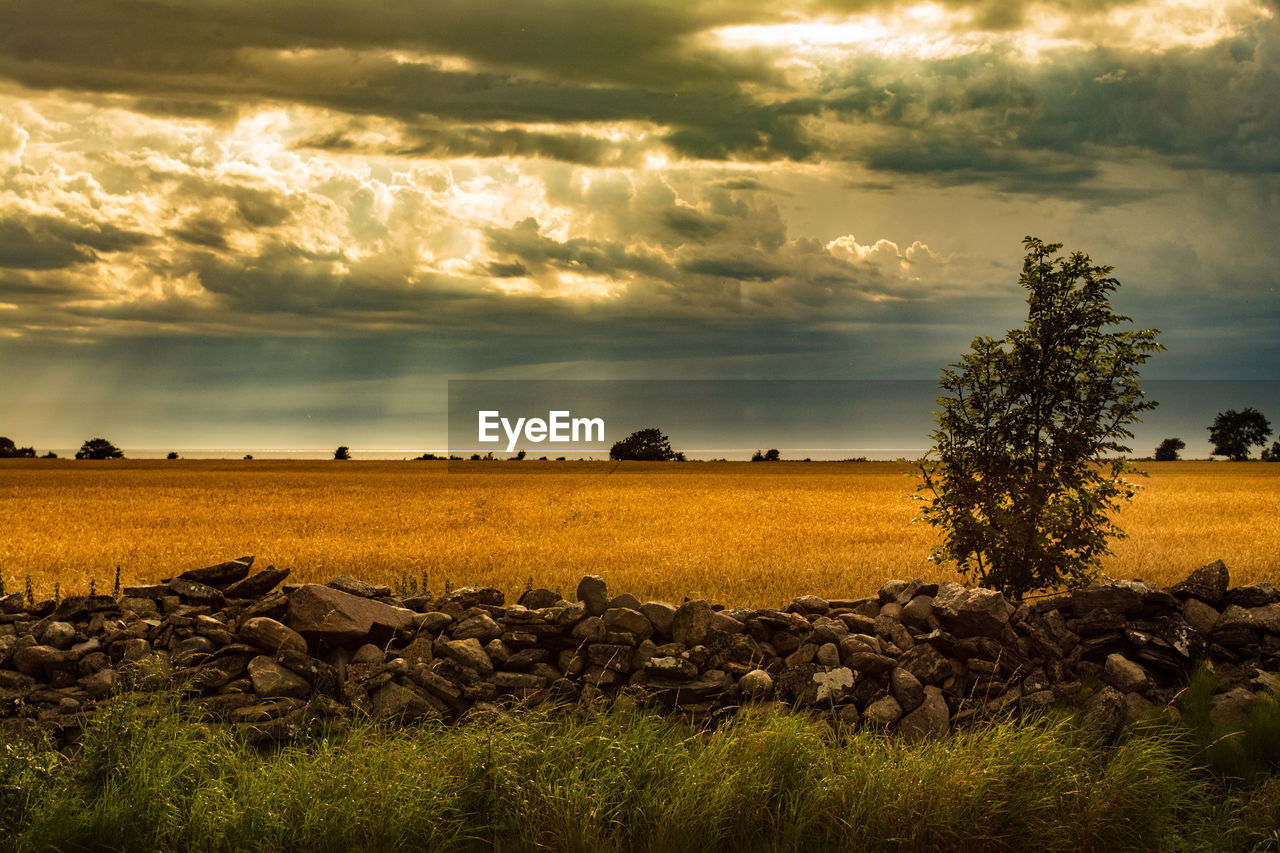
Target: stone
point(12, 603)
point(41, 661)
point(538, 598)
point(139, 606)
point(466, 597)
point(270, 634)
point(256, 586)
point(627, 619)
point(355, 586)
point(196, 592)
point(1208, 583)
point(931, 719)
point(1232, 707)
point(1104, 712)
point(338, 617)
point(626, 600)
point(756, 685)
point(869, 663)
point(725, 624)
point(1136, 707)
point(590, 630)
point(74, 608)
point(396, 700)
point(672, 667)
point(971, 612)
point(810, 604)
point(271, 680)
point(369, 653)
point(220, 575)
point(917, 611)
point(593, 593)
point(661, 614)
point(691, 623)
point(1125, 675)
point(883, 712)
point(891, 590)
point(481, 626)
point(469, 653)
point(926, 663)
point(99, 684)
point(1252, 595)
point(828, 654)
point(834, 685)
point(1200, 616)
point(907, 689)
point(60, 635)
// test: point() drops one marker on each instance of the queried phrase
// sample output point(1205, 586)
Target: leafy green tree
point(1028, 464)
point(1272, 455)
point(647, 445)
point(343, 452)
point(1233, 433)
point(99, 448)
point(1167, 451)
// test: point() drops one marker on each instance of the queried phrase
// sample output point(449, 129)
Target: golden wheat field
point(740, 533)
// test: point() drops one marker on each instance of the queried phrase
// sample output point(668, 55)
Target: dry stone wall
point(247, 650)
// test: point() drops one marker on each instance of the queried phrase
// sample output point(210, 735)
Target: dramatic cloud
point(835, 187)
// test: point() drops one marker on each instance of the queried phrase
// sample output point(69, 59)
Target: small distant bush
point(99, 448)
point(343, 452)
point(1168, 449)
point(645, 445)
point(172, 455)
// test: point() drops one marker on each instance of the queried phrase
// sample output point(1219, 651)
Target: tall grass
point(737, 532)
point(148, 780)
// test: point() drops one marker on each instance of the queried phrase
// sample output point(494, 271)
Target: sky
point(288, 225)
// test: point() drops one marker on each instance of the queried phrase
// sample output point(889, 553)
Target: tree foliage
point(1233, 433)
point(1027, 465)
point(1167, 450)
point(343, 452)
point(1272, 455)
point(99, 448)
point(645, 445)
point(9, 450)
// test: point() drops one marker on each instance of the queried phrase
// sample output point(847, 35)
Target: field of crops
point(754, 534)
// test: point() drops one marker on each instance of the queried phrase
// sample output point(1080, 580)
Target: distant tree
point(757, 456)
point(99, 448)
point(1272, 455)
point(645, 445)
point(8, 450)
point(50, 455)
point(173, 454)
point(1233, 433)
point(1168, 449)
point(248, 456)
point(343, 452)
point(772, 455)
point(475, 457)
point(520, 455)
point(1030, 426)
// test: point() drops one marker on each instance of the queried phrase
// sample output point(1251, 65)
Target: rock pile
point(917, 657)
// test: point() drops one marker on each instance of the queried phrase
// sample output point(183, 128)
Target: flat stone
point(971, 612)
point(661, 614)
point(255, 586)
point(626, 619)
point(594, 594)
point(834, 685)
point(672, 667)
point(196, 592)
point(1125, 675)
point(469, 653)
point(76, 607)
point(220, 575)
point(41, 661)
point(626, 600)
point(269, 634)
point(481, 626)
point(466, 597)
point(271, 680)
point(1252, 595)
point(355, 586)
point(1208, 583)
point(396, 700)
point(339, 617)
point(870, 663)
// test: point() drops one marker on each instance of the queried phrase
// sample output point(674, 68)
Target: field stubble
point(741, 533)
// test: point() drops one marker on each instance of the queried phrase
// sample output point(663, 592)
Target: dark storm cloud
point(48, 243)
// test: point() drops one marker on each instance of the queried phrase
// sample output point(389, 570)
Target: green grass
point(149, 780)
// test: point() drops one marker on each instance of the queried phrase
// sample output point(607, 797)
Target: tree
point(1168, 449)
point(1233, 433)
point(1272, 455)
point(772, 455)
point(647, 445)
point(1028, 465)
point(99, 448)
point(343, 452)
point(9, 450)
point(173, 454)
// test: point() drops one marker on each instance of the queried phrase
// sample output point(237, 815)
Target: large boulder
point(339, 618)
point(969, 612)
point(1207, 583)
point(221, 575)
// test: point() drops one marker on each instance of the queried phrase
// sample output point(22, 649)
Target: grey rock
point(1104, 712)
point(918, 610)
point(41, 661)
point(256, 586)
point(671, 667)
point(538, 598)
point(828, 654)
point(100, 684)
point(627, 619)
point(396, 700)
point(220, 575)
point(591, 630)
point(756, 685)
point(481, 626)
point(691, 623)
point(355, 586)
point(907, 689)
point(883, 712)
point(196, 592)
point(469, 653)
point(271, 680)
point(1252, 595)
point(1208, 583)
point(660, 614)
point(1125, 675)
point(626, 600)
point(1200, 616)
point(60, 635)
point(593, 593)
point(369, 653)
point(931, 719)
point(834, 685)
point(74, 608)
point(339, 617)
point(1232, 707)
point(971, 612)
point(270, 634)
